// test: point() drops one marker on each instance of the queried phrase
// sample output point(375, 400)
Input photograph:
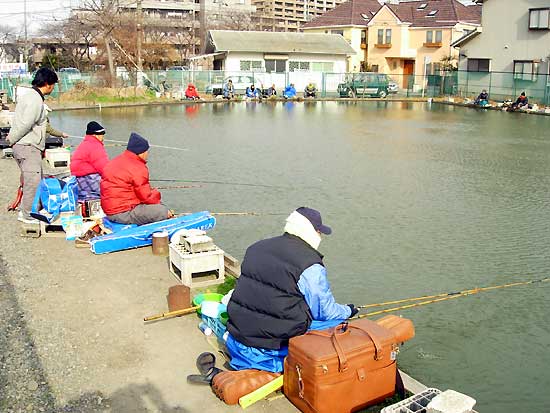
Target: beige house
point(408, 38)
point(414, 38)
point(349, 20)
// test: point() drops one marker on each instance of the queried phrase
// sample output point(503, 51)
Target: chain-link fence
point(500, 86)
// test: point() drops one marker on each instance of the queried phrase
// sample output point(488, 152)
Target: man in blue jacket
point(228, 90)
point(252, 92)
point(290, 92)
point(282, 292)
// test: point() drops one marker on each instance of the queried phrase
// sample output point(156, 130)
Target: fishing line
point(219, 182)
point(441, 297)
point(178, 187)
point(124, 143)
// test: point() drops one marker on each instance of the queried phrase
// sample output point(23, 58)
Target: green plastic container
point(199, 298)
point(224, 317)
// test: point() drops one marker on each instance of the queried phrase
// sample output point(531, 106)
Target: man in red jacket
point(88, 162)
point(126, 196)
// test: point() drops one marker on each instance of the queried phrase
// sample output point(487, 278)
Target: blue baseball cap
point(314, 217)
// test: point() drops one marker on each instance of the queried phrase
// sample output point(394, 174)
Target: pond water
point(422, 199)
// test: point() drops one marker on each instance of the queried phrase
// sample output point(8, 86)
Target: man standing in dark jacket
point(126, 196)
point(282, 292)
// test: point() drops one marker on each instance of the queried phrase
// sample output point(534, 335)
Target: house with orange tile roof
point(409, 38)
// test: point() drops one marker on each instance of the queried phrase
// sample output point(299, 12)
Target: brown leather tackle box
point(345, 368)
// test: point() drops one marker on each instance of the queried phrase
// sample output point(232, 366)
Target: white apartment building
point(289, 15)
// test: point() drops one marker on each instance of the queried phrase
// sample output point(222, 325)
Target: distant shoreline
point(99, 106)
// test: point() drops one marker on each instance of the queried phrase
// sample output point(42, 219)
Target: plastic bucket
point(198, 299)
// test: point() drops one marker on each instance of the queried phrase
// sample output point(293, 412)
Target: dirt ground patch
point(72, 337)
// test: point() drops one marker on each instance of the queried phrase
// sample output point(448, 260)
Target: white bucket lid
point(212, 308)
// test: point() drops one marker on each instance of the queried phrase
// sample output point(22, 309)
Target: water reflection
point(192, 110)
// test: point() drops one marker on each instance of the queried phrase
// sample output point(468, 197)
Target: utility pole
point(26, 48)
point(202, 30)
point(139, 32)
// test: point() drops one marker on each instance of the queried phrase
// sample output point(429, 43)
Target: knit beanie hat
point(137, 144)
point(95, 128)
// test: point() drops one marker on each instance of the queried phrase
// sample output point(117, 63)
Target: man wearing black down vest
point(282, 292)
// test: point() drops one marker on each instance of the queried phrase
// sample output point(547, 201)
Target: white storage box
point(186, 266)
point(58, 157)
point(415, 403)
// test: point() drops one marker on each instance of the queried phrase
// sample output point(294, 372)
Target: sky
point(38, 12)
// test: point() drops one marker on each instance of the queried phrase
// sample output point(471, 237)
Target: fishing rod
point(123, 143)
point(430, 299)
point(178, 187)
point(245, 213)
point(170, 314)
point(218, 182)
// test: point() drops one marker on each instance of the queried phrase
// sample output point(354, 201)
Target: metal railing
point(500, 86)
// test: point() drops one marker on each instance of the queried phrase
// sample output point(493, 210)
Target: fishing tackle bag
point(345, 368)
point(54, 196)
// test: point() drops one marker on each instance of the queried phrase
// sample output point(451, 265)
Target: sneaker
point(25, 220)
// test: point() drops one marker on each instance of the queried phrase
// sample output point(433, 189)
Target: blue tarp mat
point(142, 236)
point(115, 226)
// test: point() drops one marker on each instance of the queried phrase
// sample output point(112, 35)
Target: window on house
point(429, 36)
point(322, 67)
point(438, 36)
point(478, 65)
point(526, 70)
point(374, 68)
point(340, 32)
point(363, 37)
point(275, 65)
point(250, 65)
point(432, 13)
point(298, 66)
point(380, 36)
point(384, 39)
point(539, 19)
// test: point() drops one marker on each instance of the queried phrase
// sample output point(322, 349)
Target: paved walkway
point(72, 337)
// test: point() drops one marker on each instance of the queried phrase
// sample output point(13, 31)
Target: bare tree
point(449, 63)
point(105, 16)
point(185, 42)
point(74, 38)
point(9, 47)
point(226, 18)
